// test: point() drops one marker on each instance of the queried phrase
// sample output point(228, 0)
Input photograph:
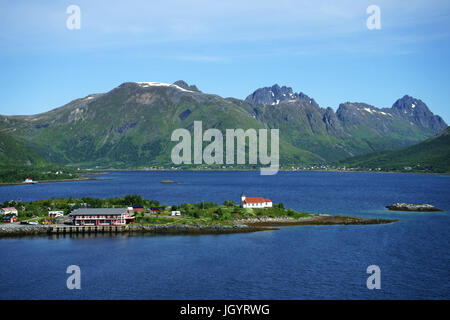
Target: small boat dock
point(58, 229)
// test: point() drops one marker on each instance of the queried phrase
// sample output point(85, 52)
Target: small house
point(9, 210)
point(176, 213)
point(55, 214)
point(156, 209)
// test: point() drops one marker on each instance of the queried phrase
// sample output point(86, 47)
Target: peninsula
point(134, 214)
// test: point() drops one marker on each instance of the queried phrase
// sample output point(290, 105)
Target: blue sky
point(322, 48)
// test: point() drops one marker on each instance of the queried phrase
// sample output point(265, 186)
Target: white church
point(255, 202)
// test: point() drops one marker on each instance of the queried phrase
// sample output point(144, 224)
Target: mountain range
point(130, 126)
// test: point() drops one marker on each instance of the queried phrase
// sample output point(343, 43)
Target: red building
point(101, 216)
point(10, 219)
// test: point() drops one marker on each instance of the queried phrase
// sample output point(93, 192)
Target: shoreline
point(109, 171)
point(240, 226)
point(320, 220)
point(45, 181)
point(284, 170)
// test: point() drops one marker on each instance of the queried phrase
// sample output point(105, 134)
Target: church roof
point(256, 200)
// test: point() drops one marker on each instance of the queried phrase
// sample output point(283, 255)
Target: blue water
point(302, 262)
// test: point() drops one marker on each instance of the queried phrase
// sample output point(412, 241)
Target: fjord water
point(301, 262)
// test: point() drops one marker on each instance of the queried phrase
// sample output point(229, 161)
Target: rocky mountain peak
point(416, 111)
point(186, 86)
point(410, 104)
point(274, 95)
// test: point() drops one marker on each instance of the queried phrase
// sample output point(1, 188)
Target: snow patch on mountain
point(373, 111)
point(161, 84)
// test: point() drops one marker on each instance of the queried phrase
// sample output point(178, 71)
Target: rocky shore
point(15, 229)
point(321, 219)
point(240, 226)
point(413, 207)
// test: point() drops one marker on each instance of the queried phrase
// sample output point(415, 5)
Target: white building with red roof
point(255, 202)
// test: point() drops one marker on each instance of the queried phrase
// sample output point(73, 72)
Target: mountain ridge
point(130, 125)
point(431, 155)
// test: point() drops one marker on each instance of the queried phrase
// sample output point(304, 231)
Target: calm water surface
point(304, 262)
